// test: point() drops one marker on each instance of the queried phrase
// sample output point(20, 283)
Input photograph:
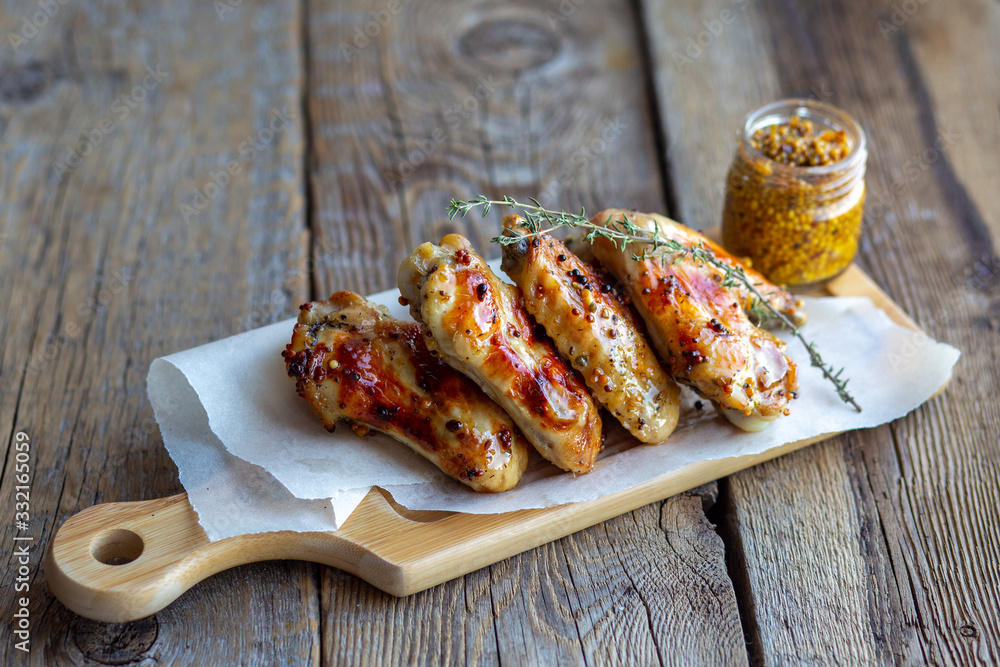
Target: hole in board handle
point(116, 547)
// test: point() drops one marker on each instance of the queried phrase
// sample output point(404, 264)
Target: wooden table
point(173, 173)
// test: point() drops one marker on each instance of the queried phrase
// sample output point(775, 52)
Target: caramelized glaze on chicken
point(478, 324)
point(779, 298)
point(352, 361)
point(701, 327)
point(594, 330)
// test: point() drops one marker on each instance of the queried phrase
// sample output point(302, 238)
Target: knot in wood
point(115, 643)
point(509, 44)
point(23, 83)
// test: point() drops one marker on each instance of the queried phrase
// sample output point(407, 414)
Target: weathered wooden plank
point(668, 550)
point(880, 544)
point(112, 118)
point(711, 66)
point(475, 100)
point(644, 587)
point(435, 101)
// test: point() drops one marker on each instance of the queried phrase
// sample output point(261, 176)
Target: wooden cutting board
point(122, 561)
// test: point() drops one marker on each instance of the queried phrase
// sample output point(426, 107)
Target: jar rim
point(826, 114)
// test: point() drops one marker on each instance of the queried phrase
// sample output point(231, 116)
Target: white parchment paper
point(253, 457)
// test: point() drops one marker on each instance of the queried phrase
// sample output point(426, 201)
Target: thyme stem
point(623, 233)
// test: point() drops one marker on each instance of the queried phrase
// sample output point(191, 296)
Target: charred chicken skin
point(593, 329)
point(478, 324)
point(352, 361)
point(702, 328)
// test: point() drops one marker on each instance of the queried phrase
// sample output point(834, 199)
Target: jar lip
point(826, 114)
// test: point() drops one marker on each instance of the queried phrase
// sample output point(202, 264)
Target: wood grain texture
point(645, 587)
point(710, 67)
point(448, 100)
point(102, 273)
point(879, 546)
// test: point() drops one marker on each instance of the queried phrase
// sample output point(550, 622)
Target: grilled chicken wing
point(352, 361)
point(701, 327)
point(478, 324)
point(779, 298)
point(594, 330)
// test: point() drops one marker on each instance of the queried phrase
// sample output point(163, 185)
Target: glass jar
point(799, 225)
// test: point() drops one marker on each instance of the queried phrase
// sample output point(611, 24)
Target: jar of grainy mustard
point(795, 192)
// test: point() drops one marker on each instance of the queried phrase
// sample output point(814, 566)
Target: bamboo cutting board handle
point(122, 561)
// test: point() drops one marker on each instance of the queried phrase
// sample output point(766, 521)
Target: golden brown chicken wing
point(701, 327)
point(477, 323)
point(352, 361)
point(594, 330)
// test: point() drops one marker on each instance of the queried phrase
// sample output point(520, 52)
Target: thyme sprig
point(624, 234)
